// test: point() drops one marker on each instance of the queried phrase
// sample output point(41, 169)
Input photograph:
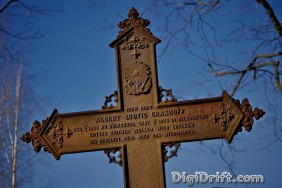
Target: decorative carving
point(133, 21)
point(34, 137)
point(224, 118)
point(138, 78)
point(69, 133)
point(248, 114)
point(112, 158)
point(135, 43)
point(109, 100)
point(247, 121)
point(166, 95)
point(172, 153)
point(57, 134)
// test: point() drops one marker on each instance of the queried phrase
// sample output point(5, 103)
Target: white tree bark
point(17, 109)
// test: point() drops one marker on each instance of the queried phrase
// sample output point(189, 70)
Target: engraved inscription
point(143, 123)
point(168, 112)
point(137, 116)
point(108, 119)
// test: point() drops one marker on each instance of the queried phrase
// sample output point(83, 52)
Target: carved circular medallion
point(137, 78)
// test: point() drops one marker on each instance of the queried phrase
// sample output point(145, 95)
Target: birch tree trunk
point(16, 123)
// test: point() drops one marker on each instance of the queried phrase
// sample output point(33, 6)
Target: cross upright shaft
point(138, 91)
point(146, 119)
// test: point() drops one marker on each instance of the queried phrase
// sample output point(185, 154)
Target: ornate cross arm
point(225, 116)
point(61, 133)
point(41, 132)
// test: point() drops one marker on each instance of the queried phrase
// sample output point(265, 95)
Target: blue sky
point(75, 69)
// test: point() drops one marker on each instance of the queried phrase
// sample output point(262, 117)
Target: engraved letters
point(108, 119)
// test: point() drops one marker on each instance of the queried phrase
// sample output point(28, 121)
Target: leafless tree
point(16, 95)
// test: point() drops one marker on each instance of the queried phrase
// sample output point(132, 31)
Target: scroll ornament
point(34, 137)
point(248, 121)
point(113, 159)
point(133, 21)
point(173, 150)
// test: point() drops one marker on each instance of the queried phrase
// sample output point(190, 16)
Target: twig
point(6, 5)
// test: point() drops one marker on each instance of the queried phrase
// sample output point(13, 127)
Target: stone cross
point(141, 120)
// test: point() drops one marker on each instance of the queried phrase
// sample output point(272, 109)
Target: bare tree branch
point(277, 76)
point(8, 3)
point(3, 143)
point(272, 15)
point(208, 4)
point(36, 35)
point(255, 66)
